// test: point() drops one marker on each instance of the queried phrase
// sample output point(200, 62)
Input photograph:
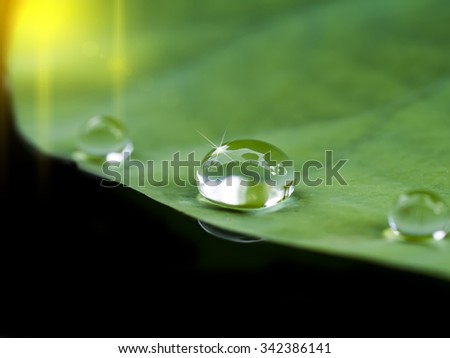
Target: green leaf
point(369, 80)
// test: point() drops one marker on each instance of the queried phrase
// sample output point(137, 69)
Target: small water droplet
point(227, 235)
point(104, 137)
point(418, 214)
point(246, 174)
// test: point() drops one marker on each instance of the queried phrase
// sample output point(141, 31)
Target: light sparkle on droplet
point(220, 150)
point(236, 174)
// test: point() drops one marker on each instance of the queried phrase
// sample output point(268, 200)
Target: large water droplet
point(419, 214)
point(227, 235)
point(246, 174)
point(104, 137)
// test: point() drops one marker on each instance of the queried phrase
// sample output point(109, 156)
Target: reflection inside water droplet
point(391, 234)
point(227, 235)
point(246, 174)
point(419, 215)
point(103, 138)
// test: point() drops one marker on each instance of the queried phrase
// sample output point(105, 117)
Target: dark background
point(79, 260)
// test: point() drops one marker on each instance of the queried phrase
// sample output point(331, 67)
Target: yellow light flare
point(118, 61)
point(43, 95)
point(45, 22)
point(56, 39)
point(43, 27)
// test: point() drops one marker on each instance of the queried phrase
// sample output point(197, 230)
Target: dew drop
point(419, 214)
point(246, 174)
point(104, 137)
